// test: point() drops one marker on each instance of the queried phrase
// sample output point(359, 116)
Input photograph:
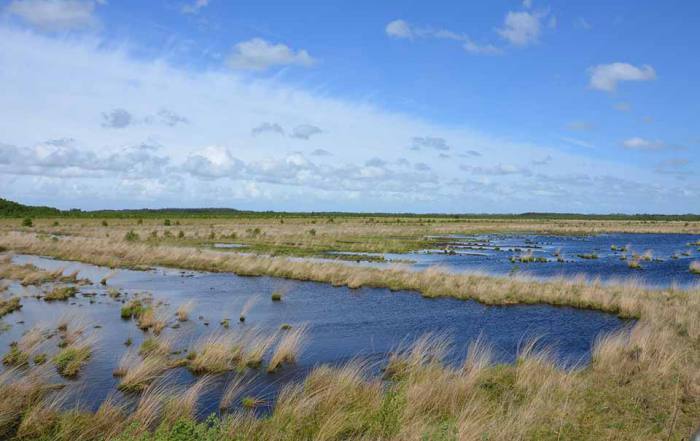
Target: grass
point(183, 311)
point(132, 309)
point(213, 353)
point(156, 346)
point(288, 348)
point(61, 293)
point(149, 318)
point(20, 352)
point(641, 384)
point(138, 373)
point(8, 306)
point(71, 359)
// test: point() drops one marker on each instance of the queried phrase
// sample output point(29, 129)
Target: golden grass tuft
point(288, 348)
point(183, 311)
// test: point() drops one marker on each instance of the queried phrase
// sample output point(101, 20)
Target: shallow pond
point(342, 323)
point(670, 256)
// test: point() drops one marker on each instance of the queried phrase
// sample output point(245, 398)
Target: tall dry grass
point(288, 348)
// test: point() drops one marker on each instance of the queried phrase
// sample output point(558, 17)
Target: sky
point(443, 106)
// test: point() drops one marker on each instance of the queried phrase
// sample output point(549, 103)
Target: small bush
point(15, 356)
point(61, 293)
point(71, 359)
point(27, 222)
point(166, 222)
point(131, 236)
point(132, 309)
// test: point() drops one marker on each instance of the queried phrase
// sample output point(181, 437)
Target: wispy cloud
point(195, 7)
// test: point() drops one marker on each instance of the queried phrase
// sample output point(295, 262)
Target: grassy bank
point(317, 236)
point(640, 385)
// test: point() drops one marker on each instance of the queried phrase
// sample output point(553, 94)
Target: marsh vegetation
point(641, 383)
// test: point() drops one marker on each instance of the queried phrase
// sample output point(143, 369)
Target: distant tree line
point(16, 210)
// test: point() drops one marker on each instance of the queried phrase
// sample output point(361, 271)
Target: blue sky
point(454, 106)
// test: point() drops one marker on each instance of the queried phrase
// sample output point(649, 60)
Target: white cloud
point(399, 29)
point(305, 131)
point(582, 23)
point(62, 86)
point(267, 127)
point(579, 126)
point(193, 8)
point(480, 49)
point(527, 4)
point(496, 170)
point(55, 15)
point(622, 106)
point(606, 76)
point(638, 143)
point(258, 55)
point(521, 28)
point(429, 142)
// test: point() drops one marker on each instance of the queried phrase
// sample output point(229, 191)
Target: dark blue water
point(343, 323)
point(671, 256)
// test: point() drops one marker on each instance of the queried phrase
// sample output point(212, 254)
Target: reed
point(288, 348)
point(183, 311)
point(232, 391)
point(247, 306)
point(139, 373)
point(213, 353)
point(9, 305)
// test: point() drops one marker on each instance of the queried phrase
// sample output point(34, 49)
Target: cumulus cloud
point(399, 29)
point(80, 164)
point(55, 15)
point(170, 118)
point(582, 23)
point(305, 131)
point(64, 158)
point(117, 119)
point(675, 166)
point(605, 77)
point(522, 28)
point(480, 49)
point(622, 106)
point(212, 162)
point(193, 8)
point(267, 127)
point(120, 118)
point(637, 143)
point(579, 126)
point(544, 161)
point(321, 152)
point(496, 170)
point(421, 166)
point(429, 142)
point(259, 55)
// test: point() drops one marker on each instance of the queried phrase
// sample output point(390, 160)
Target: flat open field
point(315, 235)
